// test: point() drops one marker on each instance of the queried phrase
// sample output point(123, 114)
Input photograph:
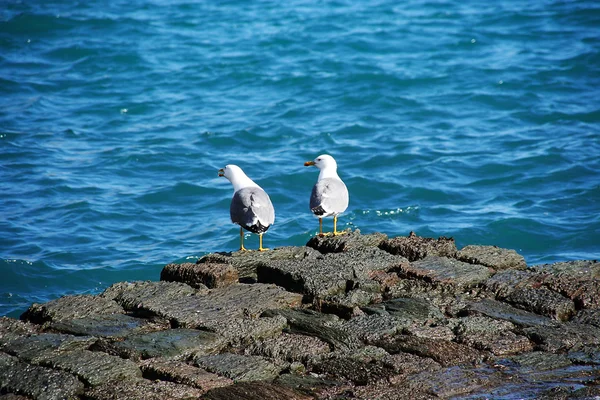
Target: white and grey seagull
point(329, 195)
point(251, 207)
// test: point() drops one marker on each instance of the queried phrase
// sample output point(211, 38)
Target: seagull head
point(231, 172)
point(236, 176)
point(324, 161)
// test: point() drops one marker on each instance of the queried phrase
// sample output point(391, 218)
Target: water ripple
point(446, 119)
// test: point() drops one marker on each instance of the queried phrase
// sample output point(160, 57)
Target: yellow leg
point(242, 248)
point(335, 232)
point(260, 248)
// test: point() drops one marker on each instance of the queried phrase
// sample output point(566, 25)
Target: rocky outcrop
point(351, 316)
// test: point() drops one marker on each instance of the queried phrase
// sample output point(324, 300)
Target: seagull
point(251, 207)
point(329, 195)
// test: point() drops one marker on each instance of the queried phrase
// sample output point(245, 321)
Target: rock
point(35, 347)
point(357, 322)
point(588, 316)
point(540, 361)
point(543, 301)
point(360, 367)
point(446, 271)
point(382, 390)
point(211, 275)
point(11, 329)
point(577, 280)
point(142, 389)
point(530, 374)
point(406, 364)
point(186, 308)
point(348, 305)
point(246, 262)
point(503, 283)
point(498, 310)
point(414, 247)
point(348, 241)
point(408, 309)
point(563, 337)
point(329, 277)
point(452, 382)
point(289, 347)
point(171, 343)
point(324, 326)
point(111, 325)
point(241, 368)
point(370, 328)
point(444, 352)
point(93, 368)
point(36, 382)
point(70, 307)
point(493, 257)
point(569, 393)
point(181, 372)
point(244, 331)
point(311, 385)
point(147, 297)
point(391, 317)
point(254, 391)
point(585, 354)
point(525, 290)
point(487, 334)
point(11, 396)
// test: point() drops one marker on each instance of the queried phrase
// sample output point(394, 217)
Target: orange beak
point(221, 172)
point(309, 163)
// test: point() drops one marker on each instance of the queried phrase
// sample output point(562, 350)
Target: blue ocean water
point(477, 120)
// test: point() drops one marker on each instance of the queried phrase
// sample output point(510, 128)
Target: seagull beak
point(309, 163)
point(221, 172)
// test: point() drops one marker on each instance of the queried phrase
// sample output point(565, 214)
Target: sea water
point(476, 120)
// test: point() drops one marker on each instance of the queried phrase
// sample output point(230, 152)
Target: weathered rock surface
point(414, 247)
point(349, 318)
point(577, 280)
point(36, 382)
point(326, 327)
point(187, 308)
point(93, 368)
point(198, 275)
point(360, 367)
point(142, 389)
point(254, 391)
point(332, 276)
point(247, 262)
point(444, 352)
point(32, 348)
point(492, 256)
point(345, 242)
point(241, 368)
point(289, 347)
point(12, 329)
point(446, 271)
point(543, 301)
point(488, 334)
point(111, 325)
point(70, 307)
point(183, 373)
point(171, 343)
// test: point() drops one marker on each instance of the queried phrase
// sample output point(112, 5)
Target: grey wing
point(329, 196)
point(252, 209)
